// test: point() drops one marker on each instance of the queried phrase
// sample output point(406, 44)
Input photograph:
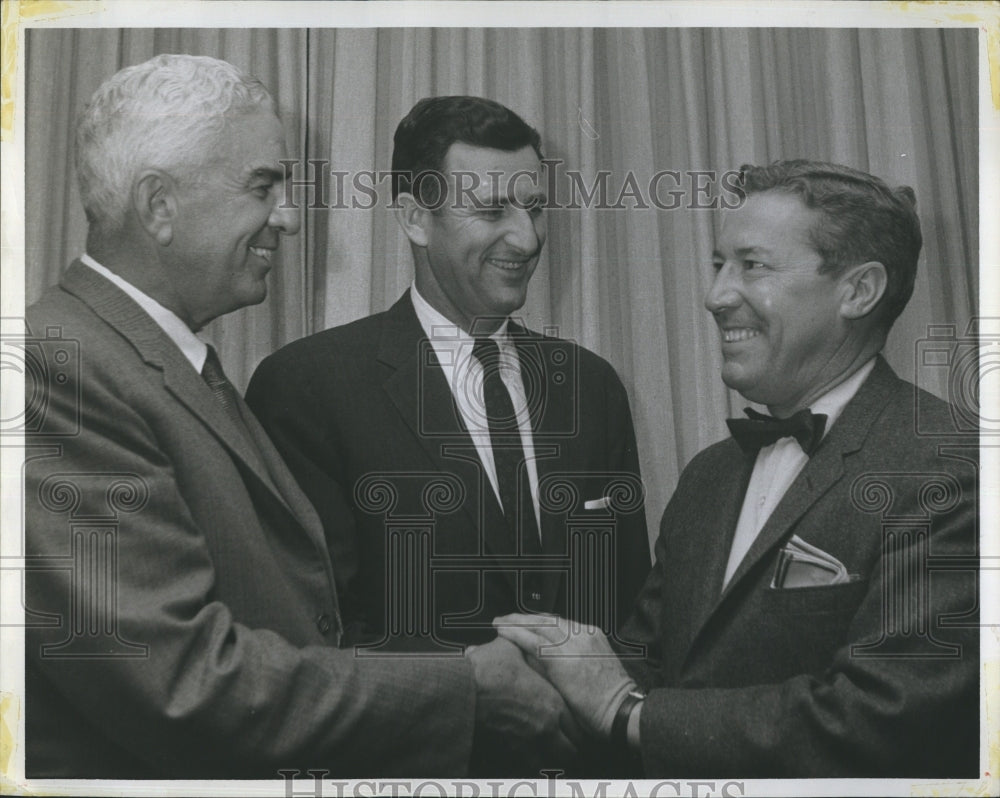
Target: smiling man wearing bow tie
point(812, 608)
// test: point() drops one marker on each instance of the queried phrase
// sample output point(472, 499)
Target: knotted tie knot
point(497, 399)
point(486, 351)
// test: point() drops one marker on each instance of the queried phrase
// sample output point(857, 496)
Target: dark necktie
point(225, 393)
point(508, 454)
point(760, 430)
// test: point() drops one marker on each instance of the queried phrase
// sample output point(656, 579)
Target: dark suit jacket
point(878, 676)
point(181, 606)
point(366, 420)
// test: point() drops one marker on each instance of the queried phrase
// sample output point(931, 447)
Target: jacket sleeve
point(186, 687)
point(643, 625)
point(633, 537)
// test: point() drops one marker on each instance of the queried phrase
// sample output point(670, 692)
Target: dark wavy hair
point(862, 219)
point(423, 137)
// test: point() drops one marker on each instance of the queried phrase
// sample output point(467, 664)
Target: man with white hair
point(181, 611)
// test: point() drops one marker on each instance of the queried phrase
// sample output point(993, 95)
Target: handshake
point(545, 688)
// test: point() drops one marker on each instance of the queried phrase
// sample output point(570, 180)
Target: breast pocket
point(809, 624)
point(823, 600)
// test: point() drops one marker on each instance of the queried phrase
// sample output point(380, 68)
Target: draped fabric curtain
point(628, 282)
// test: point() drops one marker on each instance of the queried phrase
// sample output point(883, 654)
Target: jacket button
point(323, 623)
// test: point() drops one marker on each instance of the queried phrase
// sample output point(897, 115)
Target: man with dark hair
point(424, 136)
point(181, 608)
point(812, 610)
point(530, 437)
point(862, 219)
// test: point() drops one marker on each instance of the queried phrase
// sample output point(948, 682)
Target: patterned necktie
point(760, 430)
point(508, 454)
point(225, 393)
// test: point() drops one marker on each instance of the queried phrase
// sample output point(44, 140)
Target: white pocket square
point(800, 564)
point(597, 504)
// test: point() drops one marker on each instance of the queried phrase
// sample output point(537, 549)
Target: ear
point(414, 218)
point(155, 203)
point(864, 285)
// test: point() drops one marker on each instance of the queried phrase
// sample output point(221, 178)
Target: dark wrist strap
point(619, 726)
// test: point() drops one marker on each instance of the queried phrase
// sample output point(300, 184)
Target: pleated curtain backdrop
point(627, 283)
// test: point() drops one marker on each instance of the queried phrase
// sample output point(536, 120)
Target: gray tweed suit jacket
point(181, 608)
point(878, 676)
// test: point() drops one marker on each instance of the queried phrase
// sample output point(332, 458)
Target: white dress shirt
point(777, 465)
point(464, 373)
point(191, 346)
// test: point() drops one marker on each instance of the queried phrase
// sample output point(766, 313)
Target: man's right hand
point(521, 720)
point(577, 660)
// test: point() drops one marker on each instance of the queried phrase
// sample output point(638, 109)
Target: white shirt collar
point(192, 347)
point(833, 402)
point(464, 374)
point(438, 328)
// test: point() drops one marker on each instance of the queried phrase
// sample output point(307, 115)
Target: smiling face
point(228, 221)
point(784, 340)
point(482, 245)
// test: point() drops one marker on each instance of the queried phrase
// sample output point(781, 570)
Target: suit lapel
point(418, 389)
point(118, 310)
point(549, 406)
point(819, 475)
point(295, 501)
point(824, 469)
point(721, 515)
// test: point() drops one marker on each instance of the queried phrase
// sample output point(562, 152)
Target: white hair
point(162, 114)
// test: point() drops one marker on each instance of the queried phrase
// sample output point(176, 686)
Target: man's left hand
point(577, 659)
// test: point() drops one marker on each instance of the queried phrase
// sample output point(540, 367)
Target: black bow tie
point(760, 430)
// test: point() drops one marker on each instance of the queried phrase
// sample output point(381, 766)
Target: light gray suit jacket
point(183, 617)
